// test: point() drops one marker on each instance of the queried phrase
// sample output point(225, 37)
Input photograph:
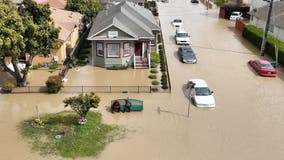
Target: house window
point(100, 49)
point(126, 49)
point(113, 50)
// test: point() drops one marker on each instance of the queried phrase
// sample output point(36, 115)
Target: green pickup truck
point(136, 105)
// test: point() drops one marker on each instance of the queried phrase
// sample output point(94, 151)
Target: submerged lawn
point(76, 140)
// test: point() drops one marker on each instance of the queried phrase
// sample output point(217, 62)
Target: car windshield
point(234, 14)
point(177, 21)
point(266, 66)
point(189, 55)
point(182, 35)
point(202, 91)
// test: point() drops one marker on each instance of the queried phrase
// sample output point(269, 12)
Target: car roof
point(263, 61)
point(199, 82)
point(181, 30)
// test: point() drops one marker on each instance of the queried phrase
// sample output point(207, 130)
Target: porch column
point(143, 45)
point(149, 55)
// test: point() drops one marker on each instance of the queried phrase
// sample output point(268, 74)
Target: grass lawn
point(76, 141)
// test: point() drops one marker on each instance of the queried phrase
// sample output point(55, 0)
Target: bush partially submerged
point(8, 87)
point(54, 84)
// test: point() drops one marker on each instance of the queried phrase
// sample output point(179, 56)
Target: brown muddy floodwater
point(247, 123)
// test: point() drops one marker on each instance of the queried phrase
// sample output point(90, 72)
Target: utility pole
point(266, 28)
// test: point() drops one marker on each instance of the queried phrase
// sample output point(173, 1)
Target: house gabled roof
point(114, 1)
point(277, 15)
point(136, 21)
point(66, 20)
point(53, 3)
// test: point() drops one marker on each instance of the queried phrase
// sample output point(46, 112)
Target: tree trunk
point(21, 77)
point(25, 73)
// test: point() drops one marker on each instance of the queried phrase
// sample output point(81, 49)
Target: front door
point(138, 49)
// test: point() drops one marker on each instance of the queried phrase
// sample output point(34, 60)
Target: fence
point(86, 89)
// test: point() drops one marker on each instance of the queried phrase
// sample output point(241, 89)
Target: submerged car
point(200, 93)
point(236, 15)
point(118, 105)
point(187, 55)
point(177, 22)
point(182, 36)
point(263, 68)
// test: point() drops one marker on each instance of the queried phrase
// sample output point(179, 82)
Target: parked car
point(200, 94)
point(187, 55)
point(177, 22)
point(263, 68)
point(194, 1)
point(119, 105)
point(182, 36)
point(236, 15)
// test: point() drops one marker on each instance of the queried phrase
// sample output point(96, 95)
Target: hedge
point(254, 35)
point(155, 58)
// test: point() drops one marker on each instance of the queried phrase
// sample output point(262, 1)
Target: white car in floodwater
point(236, 15)
point(182, 36)
point(200, 94)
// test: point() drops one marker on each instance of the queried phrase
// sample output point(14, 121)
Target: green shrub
point(82, 62)
point(84, 52)
point(164, 81)
point(160, 47)
point(152, 76)
point(155, 82)
point(54, 84)
point(155, 58)
point(154, 71)
point(159, 38)
point(53, 66)
point(8, 87)
point(82, 56)
point(117, 67)
point(154, 89)
point(35, 67)
point(164, 75)
point(163, 68)
point(254, 35)
point(87, 45)
point(165, 86)
point(154, 65)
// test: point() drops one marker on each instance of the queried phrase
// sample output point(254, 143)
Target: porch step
point(141, 67)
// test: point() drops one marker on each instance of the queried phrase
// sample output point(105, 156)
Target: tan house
point(53, 3)
point(69, 23)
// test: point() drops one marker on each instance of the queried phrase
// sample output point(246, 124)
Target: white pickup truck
point(182, 36)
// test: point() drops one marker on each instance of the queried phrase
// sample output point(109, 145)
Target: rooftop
point(66, 20)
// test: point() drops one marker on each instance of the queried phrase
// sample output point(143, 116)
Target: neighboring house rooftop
point(277, 15)
point(53, 3)
point(66, 20)
point(131, 18)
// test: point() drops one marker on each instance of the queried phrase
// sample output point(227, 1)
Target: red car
point(263, 68)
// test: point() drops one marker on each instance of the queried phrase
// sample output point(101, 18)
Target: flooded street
point(247, 123)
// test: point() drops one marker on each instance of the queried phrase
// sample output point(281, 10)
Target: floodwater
point(247, 123)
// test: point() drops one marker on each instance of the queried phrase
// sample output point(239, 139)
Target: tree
point(31, 31)
point(82, 103)
point(89, 8)
point(11, 38)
